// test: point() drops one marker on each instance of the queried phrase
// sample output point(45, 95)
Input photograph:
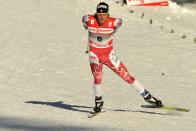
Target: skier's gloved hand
point(87, 52)
point(85, 20)
point(117, 24)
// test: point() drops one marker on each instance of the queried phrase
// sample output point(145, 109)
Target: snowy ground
point(45, 79)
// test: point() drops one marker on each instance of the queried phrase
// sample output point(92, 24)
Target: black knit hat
point(102, 7)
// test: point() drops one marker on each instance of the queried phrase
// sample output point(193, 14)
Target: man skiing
point(101, 28)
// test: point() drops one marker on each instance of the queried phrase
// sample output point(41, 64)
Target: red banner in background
point(148, 2)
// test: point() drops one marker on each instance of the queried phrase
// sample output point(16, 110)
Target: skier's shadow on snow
point(60, 104)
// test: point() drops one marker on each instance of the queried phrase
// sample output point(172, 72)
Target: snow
point(46, 82)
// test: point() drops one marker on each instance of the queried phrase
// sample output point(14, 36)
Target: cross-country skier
point(101, 28)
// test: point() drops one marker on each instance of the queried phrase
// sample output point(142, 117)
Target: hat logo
point(102, 6)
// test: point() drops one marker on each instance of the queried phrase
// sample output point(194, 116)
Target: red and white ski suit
point(101, 48)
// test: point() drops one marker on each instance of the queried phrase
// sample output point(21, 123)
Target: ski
point(174, 108)
point(93, 114)
point(167, 107)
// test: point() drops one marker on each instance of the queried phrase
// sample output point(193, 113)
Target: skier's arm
point(117, 24)
point(85, 20)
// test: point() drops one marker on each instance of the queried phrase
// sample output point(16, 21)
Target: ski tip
point(166, 107)
point(175, 108)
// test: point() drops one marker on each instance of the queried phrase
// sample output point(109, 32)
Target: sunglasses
point(103, 14)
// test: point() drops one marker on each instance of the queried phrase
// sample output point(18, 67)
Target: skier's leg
point(96, 69)
point(124, 74)
point(118, 67)
point(97, 74)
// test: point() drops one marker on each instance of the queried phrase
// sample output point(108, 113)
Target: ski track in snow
point(45, 78)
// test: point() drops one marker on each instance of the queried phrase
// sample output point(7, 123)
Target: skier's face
point(102, 17)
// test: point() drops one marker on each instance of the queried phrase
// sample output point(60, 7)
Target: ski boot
point(98, 104)
point(150, 99)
